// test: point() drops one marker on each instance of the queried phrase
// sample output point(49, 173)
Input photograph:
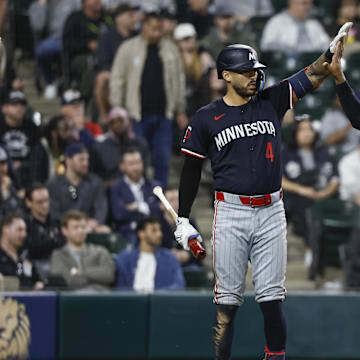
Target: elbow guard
point(300, 83)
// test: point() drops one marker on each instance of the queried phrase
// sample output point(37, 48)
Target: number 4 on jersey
point(269, 152)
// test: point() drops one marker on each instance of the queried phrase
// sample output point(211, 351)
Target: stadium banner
point(29, 325)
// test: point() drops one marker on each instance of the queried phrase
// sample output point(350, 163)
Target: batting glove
point(343, 33)
point(185, 231)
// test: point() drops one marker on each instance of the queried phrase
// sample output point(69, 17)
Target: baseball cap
point(118, 112)
point(15, 97)
point(184, 30)
point(71, 96)
point(3, 154)
point(74, 148)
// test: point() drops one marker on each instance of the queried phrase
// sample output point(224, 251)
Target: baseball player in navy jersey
point(240, 133)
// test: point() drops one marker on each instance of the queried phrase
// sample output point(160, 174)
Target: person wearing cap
point(226, 31)
point(107, 150)
point(9, 200)
point(73, 108)
point(79, 189)
point(196, 62)
point(124, 26)
point(147, 79)
point(21, 137)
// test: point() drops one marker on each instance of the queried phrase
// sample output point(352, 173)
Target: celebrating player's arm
point(312, 76)
point(349, 101)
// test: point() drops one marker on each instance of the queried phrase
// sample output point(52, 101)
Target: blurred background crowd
point(95, 98)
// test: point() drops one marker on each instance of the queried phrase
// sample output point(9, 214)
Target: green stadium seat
point(257, 24)
point(199, 279)
point(113, 242)
point(332, 222)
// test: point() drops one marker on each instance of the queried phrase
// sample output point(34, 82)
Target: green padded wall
point(103, 326)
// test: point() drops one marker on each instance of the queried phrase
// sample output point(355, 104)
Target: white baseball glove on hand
point(184, 231)
point(343, 33)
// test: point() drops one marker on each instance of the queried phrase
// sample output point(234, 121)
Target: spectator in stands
point(309, 174)
point(148, 267)
point(168, 23)
point(80, 42)
point(13, 259)
point(226, 31)
point(108, 149)
point(79, 189)
point(246, 9)
point(200, 15)
point(20, 134)
point(147, 79)
point(83, 266)
point(58, 134)
point(168, 226)
point(196, 63)
point(73, 108)
point(293, 31)
point(349, 170)
point(9, 201)
point(43, 232)
point(132, 196)
point(337, 131)
point(47, 18)
point(124, 25)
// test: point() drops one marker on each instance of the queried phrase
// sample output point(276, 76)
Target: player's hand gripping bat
point(195, 246)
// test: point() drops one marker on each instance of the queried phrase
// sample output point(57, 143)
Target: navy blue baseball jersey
point(242, 142)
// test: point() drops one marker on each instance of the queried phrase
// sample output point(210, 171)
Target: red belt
point(253, 201)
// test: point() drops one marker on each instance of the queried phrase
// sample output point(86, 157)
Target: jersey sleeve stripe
point(291, 96)
point(186, 151)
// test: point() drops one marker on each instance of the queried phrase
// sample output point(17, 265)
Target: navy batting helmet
point(237, 57)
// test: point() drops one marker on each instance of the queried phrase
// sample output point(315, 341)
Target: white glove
point(184, 231)
point(343, 33)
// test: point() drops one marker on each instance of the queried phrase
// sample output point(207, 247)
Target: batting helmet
point(238, 57)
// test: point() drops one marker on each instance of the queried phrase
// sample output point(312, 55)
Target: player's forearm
point(189, 184)
point(350, 103)
point(316, 72)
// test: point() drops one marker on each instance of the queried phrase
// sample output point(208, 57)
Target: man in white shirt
point(349, 170)
point(148, 267)
point(131, 198)
point(293, 31)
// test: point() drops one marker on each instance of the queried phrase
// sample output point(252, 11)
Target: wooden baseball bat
point(195, 246)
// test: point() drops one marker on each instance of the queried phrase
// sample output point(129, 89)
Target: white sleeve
point(349, 175)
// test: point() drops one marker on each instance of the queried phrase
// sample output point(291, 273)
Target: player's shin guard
point(223, 331)
point(275, 329)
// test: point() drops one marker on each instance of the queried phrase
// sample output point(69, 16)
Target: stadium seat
point(198, 279)
point(332, 221)
point(113, 242)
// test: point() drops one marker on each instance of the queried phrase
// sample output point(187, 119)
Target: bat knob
point(196, 248)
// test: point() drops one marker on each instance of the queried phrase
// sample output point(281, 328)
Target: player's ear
point(226, 75)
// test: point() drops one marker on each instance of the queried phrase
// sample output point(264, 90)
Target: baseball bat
point(195, 246)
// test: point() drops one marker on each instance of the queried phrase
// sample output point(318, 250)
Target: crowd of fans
point(128, 75)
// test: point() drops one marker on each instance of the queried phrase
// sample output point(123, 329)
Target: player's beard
point(243, 91)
